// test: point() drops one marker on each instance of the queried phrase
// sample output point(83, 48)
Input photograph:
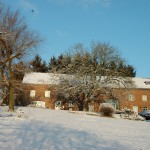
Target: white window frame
point(131, 97)
point(144, 98)
point(32, 93)
point(58, 104)
point(47, 94)
point(145, 108)
point(70, 103)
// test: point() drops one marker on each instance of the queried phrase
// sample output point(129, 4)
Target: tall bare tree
point(16, 42)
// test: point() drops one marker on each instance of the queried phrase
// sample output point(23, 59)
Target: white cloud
point(28, 6)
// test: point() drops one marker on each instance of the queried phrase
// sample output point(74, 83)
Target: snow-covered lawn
point(44, 129)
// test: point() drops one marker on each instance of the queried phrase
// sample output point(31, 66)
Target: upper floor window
point(47, 94)
point(32, 93)
point(131, 97)
point(144, 98)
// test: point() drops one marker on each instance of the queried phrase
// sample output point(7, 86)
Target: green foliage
point(37, 65)
point(52, 64)
point(19, 70)
point(103, 59)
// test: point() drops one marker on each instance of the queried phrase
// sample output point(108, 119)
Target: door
point(57, 105)
point(91, 108)
point(135, 109)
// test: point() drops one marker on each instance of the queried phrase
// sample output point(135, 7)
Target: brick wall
point(40, 94)
point(137, 99)
point(50, 102)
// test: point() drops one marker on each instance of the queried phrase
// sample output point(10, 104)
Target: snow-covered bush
point(131, 115)
point(106, 109)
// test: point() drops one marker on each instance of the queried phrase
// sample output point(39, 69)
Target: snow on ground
point(44, 129)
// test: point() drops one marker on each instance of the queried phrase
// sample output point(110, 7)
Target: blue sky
point(125, 24)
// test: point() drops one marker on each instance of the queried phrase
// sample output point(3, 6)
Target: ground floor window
point(37, 104)
point(58, 104)
point(145, 108)
point(114, 103)
point(135, 109)
point(70, 103)
point(91, 107)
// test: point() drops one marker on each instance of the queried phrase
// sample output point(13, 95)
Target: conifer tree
point(37, 65)
point(52, 64)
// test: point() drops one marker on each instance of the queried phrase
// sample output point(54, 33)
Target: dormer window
point(147, 82)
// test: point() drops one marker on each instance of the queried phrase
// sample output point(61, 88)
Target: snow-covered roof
point(41, 78)
point(54, 79)
point(142, 83)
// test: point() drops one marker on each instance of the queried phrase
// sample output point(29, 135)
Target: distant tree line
point(66, 64)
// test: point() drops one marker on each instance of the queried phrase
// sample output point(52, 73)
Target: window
point(70, 103)
point(145, 108)
point(131, 97)
point(144, 98)
point(47, 94)
point(91, 108)
point(58, 104)
point(32, 93)
point(40, 104)
point(135, 109)
point(147, 82)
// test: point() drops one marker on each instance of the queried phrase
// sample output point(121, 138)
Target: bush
point(106, 110)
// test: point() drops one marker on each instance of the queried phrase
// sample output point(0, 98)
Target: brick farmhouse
point(41, 90)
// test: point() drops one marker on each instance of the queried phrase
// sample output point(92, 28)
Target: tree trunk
point(11, 88)
point(80, 105)
point(11, 97)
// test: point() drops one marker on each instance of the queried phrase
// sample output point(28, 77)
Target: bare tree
point(16, 42)
point(94, 76)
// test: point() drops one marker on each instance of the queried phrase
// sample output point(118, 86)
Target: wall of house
point(137, 100)
point(40, 94)
point(135, 103)
point(50, 101)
